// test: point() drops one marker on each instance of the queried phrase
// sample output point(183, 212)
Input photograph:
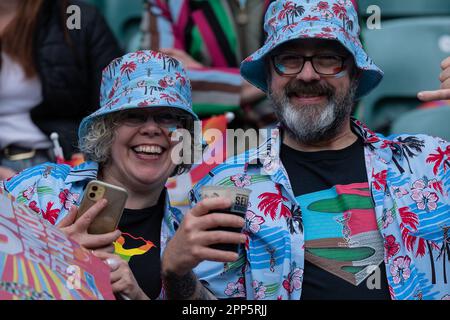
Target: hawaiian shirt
point(409, 181)
point(51, 189)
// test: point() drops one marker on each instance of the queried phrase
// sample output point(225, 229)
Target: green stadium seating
point(409, 51)
point(123, 17)
point(406, 8)
point(433, 121)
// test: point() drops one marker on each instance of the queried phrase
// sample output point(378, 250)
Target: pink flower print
point(294, 280)
point(241, 180)
point(259, 289)
point(323, 5)
point(387, 218)
point(28, 194)
point(391, 247)
point(400, 270)
point(235, 289)
point(327, 15)
point(419, 184)
point(425, 200)
point(68, 198)
point(253, 222)
point(399, 192)
point(167, 81)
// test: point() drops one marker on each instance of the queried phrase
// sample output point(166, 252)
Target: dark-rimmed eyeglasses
point(165, 119)
point(290, 64)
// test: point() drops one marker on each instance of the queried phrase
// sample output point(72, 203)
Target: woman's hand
point(444, 92)
point(78, 230)
point(123, 281)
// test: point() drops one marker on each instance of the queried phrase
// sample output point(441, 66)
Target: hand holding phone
point(108, 219)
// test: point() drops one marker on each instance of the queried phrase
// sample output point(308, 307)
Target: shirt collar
point(267, 154)
point(86, 171)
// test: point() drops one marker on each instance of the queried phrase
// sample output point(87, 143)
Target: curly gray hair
point(96, 144)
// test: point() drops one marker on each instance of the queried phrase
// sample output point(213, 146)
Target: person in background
point(211, 38)
point(49, 77)
point(444, 92)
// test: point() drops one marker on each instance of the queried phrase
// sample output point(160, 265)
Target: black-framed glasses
point(291, 64)
point(165, 119)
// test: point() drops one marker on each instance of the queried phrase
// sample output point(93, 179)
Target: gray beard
point(312, 124)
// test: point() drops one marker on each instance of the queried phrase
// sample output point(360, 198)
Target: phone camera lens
point(92, 195)
point(94, 188)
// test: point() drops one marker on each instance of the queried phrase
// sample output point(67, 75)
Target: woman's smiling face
point(142, 148)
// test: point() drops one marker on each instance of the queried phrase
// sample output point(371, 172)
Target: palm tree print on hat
point(128, 68)
point(290, 10)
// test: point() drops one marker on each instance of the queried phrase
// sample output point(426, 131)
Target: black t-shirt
point(140, 245)
point(342, 242)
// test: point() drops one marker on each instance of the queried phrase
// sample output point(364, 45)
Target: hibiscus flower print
point(425, 200)
point(391, 247)
point(236, 289)
point(241, 180)
point(294, 280)
point(253, 222)
point(259, 289)
point(28, 194)
point(400, 270)
point(399, 192)
point(68, 198)
point(33, 206)
point(387, 218)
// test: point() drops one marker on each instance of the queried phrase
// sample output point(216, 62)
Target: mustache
point(314, 88)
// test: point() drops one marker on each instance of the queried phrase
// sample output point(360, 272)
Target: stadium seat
point(100, 4)
point(432, 121)
point(124, 18)
point(410, 8)
point(410, 52)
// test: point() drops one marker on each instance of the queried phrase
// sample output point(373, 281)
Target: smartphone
point(107, 220)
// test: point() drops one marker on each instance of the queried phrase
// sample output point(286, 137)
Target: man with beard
point(336, 211)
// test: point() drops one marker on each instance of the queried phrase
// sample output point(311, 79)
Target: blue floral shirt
point(409, 179)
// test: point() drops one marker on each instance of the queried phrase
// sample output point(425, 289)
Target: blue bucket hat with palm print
point(305, 19)
point(142, 79)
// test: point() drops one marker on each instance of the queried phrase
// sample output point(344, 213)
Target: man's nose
point(308, 74)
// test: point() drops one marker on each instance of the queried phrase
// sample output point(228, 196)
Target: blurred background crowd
point(50, 74)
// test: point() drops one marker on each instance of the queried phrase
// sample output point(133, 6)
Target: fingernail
point(112, 263)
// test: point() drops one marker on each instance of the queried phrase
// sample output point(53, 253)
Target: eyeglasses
point(163, 119)
point(290, 64)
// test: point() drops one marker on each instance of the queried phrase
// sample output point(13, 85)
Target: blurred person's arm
point(6, 173)
point(444, 92)
point(163, 31)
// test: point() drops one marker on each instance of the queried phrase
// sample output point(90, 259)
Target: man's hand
point(190, 246)
point(123, 281)
point(187, 61)
point(444, 92)
point(77, 230)
point(191, 242)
